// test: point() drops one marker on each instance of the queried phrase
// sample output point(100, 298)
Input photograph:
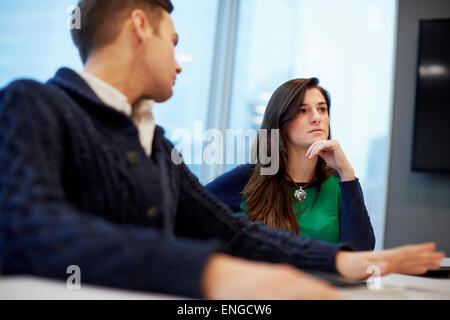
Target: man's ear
point(141, 26)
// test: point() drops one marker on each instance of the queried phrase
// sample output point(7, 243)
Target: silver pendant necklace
point(299, 194)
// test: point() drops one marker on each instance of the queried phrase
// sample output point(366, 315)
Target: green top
point(320, 222)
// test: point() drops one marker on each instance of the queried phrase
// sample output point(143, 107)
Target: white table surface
point(402, 287)
point(393, 287)
point(33, 288)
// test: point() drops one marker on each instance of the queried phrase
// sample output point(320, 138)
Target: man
point(86, 179)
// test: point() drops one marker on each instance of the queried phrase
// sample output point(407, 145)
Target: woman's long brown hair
point(267, 198)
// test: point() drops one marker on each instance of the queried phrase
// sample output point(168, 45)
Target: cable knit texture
point(76, 188)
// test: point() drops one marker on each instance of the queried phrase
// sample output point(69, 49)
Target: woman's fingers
point(318, 146)
point(313, 151)
point(311, 148)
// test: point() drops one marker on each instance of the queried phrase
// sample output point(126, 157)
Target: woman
point(315, 192)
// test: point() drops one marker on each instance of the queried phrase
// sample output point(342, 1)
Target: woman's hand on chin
point(331, 152)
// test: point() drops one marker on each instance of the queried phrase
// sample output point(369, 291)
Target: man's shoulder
point(31, 97)
point(28, 87)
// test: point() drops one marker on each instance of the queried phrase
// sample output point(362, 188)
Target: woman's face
point(312, 122)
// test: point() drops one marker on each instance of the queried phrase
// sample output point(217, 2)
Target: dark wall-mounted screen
point(431, 148)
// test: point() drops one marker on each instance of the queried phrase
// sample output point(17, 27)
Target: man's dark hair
point(102, 20)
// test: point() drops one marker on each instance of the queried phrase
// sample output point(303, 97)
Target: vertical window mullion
point(222, 76)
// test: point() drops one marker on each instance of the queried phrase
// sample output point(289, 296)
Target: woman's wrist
point(347, 174)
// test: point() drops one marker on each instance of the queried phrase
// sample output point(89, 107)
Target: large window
point(195, 22)
point(348, 45)
point(35, 39)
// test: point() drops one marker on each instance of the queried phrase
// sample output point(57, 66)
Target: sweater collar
point(68, 80)
point(107, 93)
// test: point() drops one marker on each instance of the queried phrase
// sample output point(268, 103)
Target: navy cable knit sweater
point(76, 188)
